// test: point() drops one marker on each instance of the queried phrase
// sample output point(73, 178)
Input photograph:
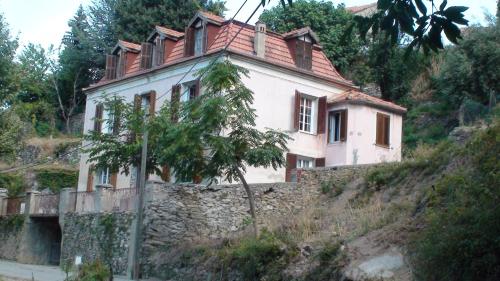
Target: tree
point(135, 19)
point(215, 136)
point(329, 22)
point(8, 47)
point(33, 67)
point(75, 68)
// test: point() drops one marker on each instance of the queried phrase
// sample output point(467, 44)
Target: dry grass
point(49, 145)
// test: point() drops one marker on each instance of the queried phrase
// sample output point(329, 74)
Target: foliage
point(33, 74)
point(332, 260)
point(8, 47)
point(56, 179)
point(95, 271)
point(460, 239)
point(107, 222)
point(12, 222)
point(10, 134)
point(14, 183)
point(258, 257)
point(136, 18)
point(396, 16)
point(334, 187)
point(328, 21)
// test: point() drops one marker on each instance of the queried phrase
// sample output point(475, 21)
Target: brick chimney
point(259, 42)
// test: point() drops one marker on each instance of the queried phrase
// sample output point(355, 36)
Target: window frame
point(188, 86)
point(383, 122)
point(198, 42)
point(303, 117)
point(302, 160)
point(103, 173)
point(341, 131)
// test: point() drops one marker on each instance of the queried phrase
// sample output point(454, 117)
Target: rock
point(382, 267)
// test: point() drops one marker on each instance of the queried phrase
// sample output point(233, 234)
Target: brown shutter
point(98, 117)
point(114, 179)
point(152, 103)
point(380, 129)
point(175, 100)
point(322, 115)
point(343, 125)
point(146, 55)
point(320, 162)
point(197, 88)
point(111, 61)
point(296, 112)
point(204, 40)
point(122, 62)
point(386, 130)
point(291, 164)
point(299, 53)
point(137, 107)
point(307, 55)
point(189, 42)
point(165, 173)
point(90, 178)
point(159, 51)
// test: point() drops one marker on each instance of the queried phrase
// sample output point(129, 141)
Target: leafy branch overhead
point(414, 19)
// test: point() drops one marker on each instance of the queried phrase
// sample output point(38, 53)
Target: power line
point(212, 63)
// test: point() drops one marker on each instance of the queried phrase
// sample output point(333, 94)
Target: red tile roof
point(212, 17)
point(169, 31)
point(277, 51)
point(358, 9)
point(357, 96)
point(129, 45)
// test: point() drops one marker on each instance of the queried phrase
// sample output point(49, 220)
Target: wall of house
point(274, 91)
point(360, 147)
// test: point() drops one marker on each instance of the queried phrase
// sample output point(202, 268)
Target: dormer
point(120, 59)
point(301, 42)
point(200, 33)
point(163, 40)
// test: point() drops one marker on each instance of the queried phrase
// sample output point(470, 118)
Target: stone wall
point(336, 174)
point(93, 236)
point(10, 236)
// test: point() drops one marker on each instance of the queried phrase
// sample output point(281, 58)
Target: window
point(103, 176)
point(189, 91)
point(305, 116)
point(303, 52)
point(304, 163)
point(337, 126)
point(198, 41)
point(107, 124)
point(383, 130)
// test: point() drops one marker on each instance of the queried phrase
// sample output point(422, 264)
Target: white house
point(296, 88)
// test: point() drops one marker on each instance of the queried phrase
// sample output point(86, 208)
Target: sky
point(45, 21)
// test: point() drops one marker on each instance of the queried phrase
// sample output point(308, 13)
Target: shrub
point(331, 261)
point(13, 222)
point(460, 240)
point(95, 271)
point(55, 179)
point(14, 183)
point(333, 187)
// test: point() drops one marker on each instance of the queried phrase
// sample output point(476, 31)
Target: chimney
point(259, 42)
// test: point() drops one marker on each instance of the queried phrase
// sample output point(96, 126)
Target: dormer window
point(303, 52)
point(198, 40)
point(158, 51)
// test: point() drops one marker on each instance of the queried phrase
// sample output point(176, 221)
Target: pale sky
point(45, 21)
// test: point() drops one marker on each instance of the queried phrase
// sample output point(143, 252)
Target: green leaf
point(452, 32)
point(443, 5)
point(421, 7)
point(454, 12)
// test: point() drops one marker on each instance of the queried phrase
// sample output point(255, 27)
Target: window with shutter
point(303, 52)
point(291, 164)
point(383, 130)
point(159, 51)
point(114, 180)
point(90, 178)
point(99, 108)
point(111, 63)
point(189, 42)
point(122, 63)
point(321, 115)
point(337, 126)
point(299, 53)
point(146, 55)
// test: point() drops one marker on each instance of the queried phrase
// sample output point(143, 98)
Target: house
point(296, 88)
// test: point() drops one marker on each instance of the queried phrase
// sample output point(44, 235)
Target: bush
point(95, 271)
point(331, 261)
point(460, 240)
point(332, 187)
point(14, 183)
point(55, 179)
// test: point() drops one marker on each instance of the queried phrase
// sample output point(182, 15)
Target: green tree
point(216, 137)
point(330, 22)
point(33, 67)
point(8, 47)
point(210, 137)
point(135, 19)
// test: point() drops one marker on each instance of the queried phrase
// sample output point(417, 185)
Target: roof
point(353, 96)
point(361, 8)
point(277, 52)
point(127, 46)
point(212, 17)
point(167, 32)
point(300, 32)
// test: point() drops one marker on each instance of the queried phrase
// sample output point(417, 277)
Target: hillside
point(430, 217)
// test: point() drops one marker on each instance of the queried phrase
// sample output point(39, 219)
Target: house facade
point(296, 89)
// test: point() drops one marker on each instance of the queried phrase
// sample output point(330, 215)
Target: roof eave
point(400, 110)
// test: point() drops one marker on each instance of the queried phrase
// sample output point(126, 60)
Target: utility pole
point(140, 206)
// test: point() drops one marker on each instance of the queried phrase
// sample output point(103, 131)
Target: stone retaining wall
point(10, 237)
point(336, 174)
